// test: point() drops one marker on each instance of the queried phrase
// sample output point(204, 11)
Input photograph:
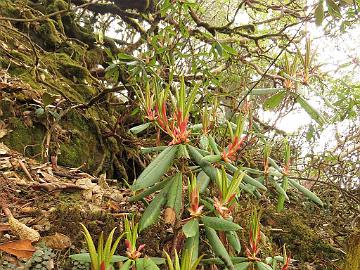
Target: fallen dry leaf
point(4, 227)
point(23, 231)
point(19, 248)
point(57, 241)
point(170, 216)
point(3, 132)
point(3, 149)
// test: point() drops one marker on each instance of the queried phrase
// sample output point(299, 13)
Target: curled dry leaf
point(23, 231)
point(5, 227)
point(3, 149)
point(3, 132)
point(19, 248)
point(170, 216)
point(57, 241)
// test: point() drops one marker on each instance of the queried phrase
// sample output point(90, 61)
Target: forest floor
point(53, 200)
point(38, 88)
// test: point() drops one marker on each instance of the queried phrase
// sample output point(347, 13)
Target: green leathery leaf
point(190, 100)
point(252, 171)
point(191, 228)
point(150, 190)
point(126, 265)
point(205, 165)
point(152, 212)
point(202, 181)
point(158, 260)
point(248, 188)
point(246, 178)
point(219, 48)
point(282, 197)
point(274, 101)
point(196, 127)
point(212, 158)
point(146, 264)
point(274, 172)
point(274, 164)
point(220, 224)
point(85, 257)
point(182, 152)
point(333, 8)
point(214, 145)
point(204, 142)
point(218, 261)
point(278, 188)
point(208, 203)
point(118, 258)
point(311, 195)
point(263, 266)
point(265, 91)
point(234, 240)
point(314, 114)
point(156, 169)
point(174, 195)
point(242, 266)
point(192, 243)
point(218, 247)
point(139, 128)
point(229, 49)
point(319, 13)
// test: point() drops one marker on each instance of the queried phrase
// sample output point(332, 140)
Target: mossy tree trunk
point(53, 57)
point(352, 261)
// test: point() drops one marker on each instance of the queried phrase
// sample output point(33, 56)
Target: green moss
point(67, 218)
point(8, 10)
point(353, 252)
point(304, 243)
point(94, 57)
point(49, 35)
point(73, 49)
point(24, 139)
point(21, 56)
point(87, 92)
point(69, 68)
point(82, 146)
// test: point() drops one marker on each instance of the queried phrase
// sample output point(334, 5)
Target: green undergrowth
point(305, 243)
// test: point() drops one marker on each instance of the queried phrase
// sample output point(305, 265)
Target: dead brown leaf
point(23, 231)
point(57, 241)
point(5, 227)
point(3, 149)
point(19, 248)
point(170, 216)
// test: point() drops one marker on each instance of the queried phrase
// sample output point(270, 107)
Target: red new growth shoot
point(132, 252)
point(195, 209)
point(230, 153)
point(254, 237)
point(287, 262)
